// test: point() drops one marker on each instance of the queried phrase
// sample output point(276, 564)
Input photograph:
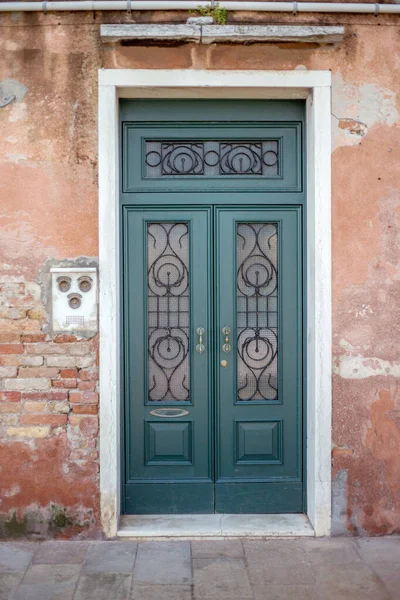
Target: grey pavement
point(236, 569)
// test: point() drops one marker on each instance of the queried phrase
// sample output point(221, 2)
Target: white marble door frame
point(315, 87)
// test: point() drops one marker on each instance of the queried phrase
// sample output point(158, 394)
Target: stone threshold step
point(214, 526)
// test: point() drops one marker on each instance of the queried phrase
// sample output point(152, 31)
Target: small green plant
point(59, 518)
point(218, 13)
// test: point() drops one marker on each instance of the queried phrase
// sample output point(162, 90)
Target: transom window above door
point(262, 157)
point(212, 158)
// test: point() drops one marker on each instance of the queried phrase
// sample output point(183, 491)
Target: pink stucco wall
point(48, 214)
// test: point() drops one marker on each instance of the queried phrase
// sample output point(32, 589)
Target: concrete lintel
point(116, 33)
point(208, 34)
point(272, 33)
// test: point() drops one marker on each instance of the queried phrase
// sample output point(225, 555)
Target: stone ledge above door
point(209, 34)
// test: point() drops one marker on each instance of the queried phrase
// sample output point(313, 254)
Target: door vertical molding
point(109, 298)
point(311, 85)
point(319, 309)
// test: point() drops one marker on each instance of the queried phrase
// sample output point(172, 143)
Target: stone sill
point(209, 34)
point(214, 526)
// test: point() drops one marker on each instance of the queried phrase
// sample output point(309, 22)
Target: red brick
point(91, 443)
point(64, 383)
point(342, 452)
point(84, 455)
point(11, 349)
point(69, 373)
point(33, 337)
point(85, 409)
point(10, 396)
point(35, 407)
point(88, 425)
point(10, 360)
point(38, 372)
point(75, 420)
point(77, 397)
point(46, 396)
point(88, 374)
point(55, 420)
point(64, 338)
point(6, 338)
point(10, 407)
point(45, 348)
point(87, 385)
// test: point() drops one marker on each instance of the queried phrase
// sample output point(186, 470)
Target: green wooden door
point(212, 319)
point(258, 360)
point(168, 384)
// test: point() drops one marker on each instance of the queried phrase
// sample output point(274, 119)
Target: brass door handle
point(200, 346)
point(226, 347)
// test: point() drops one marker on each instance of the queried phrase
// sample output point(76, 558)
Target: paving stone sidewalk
point(240, 569)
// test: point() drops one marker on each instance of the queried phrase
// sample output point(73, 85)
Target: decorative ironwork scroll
point(168, 311)
point(257, 311)
point(211, 158)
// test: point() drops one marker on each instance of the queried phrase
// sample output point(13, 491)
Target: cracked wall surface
point(48, 213)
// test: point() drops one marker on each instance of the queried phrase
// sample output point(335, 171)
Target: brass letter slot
point(167, 413)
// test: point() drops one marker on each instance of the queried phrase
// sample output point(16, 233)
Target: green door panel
point(259, 428)
point(169, 498)
point(210, 111)
point(278, 167)
point(185, 200)
point(190, 122)
point(258, 498)
point(165, 453)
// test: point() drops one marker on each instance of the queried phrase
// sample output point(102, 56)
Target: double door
point(213, 359)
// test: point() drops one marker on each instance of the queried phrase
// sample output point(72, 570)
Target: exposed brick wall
point(49, 404)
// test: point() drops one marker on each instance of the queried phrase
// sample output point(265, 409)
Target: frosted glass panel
point(168, 311)
point(257, 311)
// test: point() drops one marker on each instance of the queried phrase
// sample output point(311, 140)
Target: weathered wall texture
point(48, 214)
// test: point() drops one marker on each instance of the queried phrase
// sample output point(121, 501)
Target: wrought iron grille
point(168, 311)
point(211, 158)
point(257, 311)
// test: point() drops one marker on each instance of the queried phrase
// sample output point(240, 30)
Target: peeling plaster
point(360, 367)
point(11, 91)
point(357, 108)
point(339, 503)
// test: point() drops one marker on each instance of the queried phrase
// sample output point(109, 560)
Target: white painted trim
point(198, 78)
point(319, 310)
point(313, 85)
point(109, 310)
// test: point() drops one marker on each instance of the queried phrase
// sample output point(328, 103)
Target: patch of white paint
point(18, 112)
point(363, 312)
point(368, 103)
point(361, 367)
point(346, 345)
point(33, 289)
point(12, 491)
point(15, 158)
point(73, 120)
point(10, 46)
point(11, 88)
